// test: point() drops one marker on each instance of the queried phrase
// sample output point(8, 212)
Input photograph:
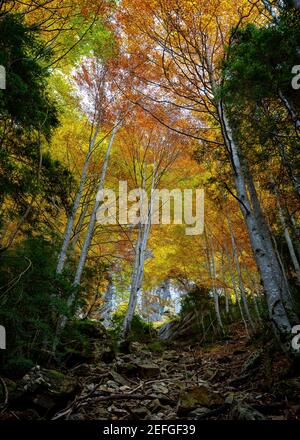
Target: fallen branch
point(125, 397)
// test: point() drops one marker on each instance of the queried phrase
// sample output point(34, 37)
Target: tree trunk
point(288, 238)
point(70, 223)
point(274, 290)
point(234, 285)
point(296, 233)
point(63, 319)
point(254, 294)
point(272, 252)
point(212, 273)
point(290, 108)
point(139, 261)
point(295, 181)
point(83, 215)
point(108, 298)
point(240, 277)
point(92, 222)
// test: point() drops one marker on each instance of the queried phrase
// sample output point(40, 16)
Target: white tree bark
point(63, 319)
point(135, 286)
point(234, 286)
point(70, 223)
point(289, 243)
point(83, 215)
point(254, 294)
point(108, 300)
point(92, 222)
point(239, 272)
point(228, 302)
point(272, 253)
point(295, 118)
point(273, 289)
point(288, 238)
point(290, 168)
point(139, 261)
point(212, 273)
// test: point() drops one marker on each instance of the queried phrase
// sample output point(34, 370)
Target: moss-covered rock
point(51, 382)
point(198, 396)
point(87, 341)
point(148, 370)
point(41, 389)
point(127, 368)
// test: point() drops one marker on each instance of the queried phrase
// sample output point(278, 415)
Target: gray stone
point(147, 371)
point(198, 396)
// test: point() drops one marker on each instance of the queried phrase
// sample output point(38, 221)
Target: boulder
point(198, 396)
point(92, 345)
point(127, 368)
point(182, 328)
point(51, 382)
point(148, 370)
point(44, 390)
point(141, 412)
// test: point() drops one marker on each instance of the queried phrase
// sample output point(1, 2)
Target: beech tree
point(151, 157)
point(189, 40)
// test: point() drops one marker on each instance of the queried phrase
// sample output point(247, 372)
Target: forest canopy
point(149, 176)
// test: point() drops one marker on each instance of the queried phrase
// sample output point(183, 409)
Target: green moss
point(156, 346)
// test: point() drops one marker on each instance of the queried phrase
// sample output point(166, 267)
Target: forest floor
point(232, 379)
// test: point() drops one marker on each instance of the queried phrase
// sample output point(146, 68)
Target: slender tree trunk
point(290, 108)
point(226, 302)
point(92, 222)
point(234, 285)
point(139, 263)
point(296, 233)
point(295, 181)
point(239, 272)
point(272, 253)
point(224, 282)
point(134, 286)
point(214, 332)
point(212, 274)
point(137, 277)
point(254, 294)
point(63, 319)
point(108, 298)
point(83, 216)
point(288, 238)
point(270, 9)
point(202, 325)
point(70, 223)
point(274, 290)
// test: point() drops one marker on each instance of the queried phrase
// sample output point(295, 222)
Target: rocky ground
point(233, 379)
